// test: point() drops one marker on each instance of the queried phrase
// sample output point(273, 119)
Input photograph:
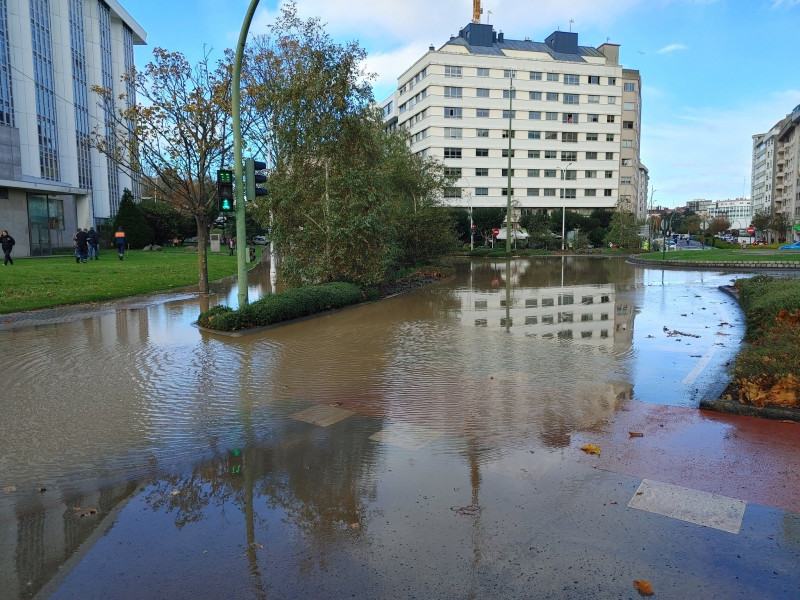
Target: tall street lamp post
point(564, 205)
point(508, 188)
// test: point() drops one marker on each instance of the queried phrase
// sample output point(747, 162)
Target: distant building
point(572, 115)
point(51, 54)
point(786, 198)
point(739, 211)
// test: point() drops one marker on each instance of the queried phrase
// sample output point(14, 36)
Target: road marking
point(410, 437)
point(701, 364)
point(322, 415)
point(692, 506)
point(529, 466)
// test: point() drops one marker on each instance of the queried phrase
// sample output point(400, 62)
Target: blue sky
point(714, 72)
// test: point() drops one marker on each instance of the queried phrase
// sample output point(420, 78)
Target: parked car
point(259, 240)
point(792, 246)
point(759, 243)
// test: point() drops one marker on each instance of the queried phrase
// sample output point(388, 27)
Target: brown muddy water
point(143, 458)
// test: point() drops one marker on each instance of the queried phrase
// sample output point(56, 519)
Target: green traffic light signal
point(225, 190)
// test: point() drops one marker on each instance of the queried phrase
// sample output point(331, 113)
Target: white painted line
point(692, 506)
point(410, 437)
point(529, 466)
point(322, 415)
point(702, 364)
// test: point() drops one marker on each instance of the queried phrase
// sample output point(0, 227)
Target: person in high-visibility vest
point(119, 240)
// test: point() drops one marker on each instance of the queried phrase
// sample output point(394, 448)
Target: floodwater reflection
point(505, 356)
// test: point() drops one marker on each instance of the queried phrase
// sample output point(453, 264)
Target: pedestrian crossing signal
point(225, 190)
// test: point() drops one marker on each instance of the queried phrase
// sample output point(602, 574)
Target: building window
point(452, 172)
point(590, 192)
point(482, 92)
point(594, 99)
point(483, 72)
point(533, 191)
point(452, 112)
point(509, 73)
point(504, 191)
point(594, 79)
point(552, 77)
point(612, 99)
point(535, 96)
point(549, 192)
point(568, 155)
point(505, 133)
point(609, 156)
point(452, 192)
point(512, 92)
point(533, 154)
point(609, 118)
point(569, 118)
point(452, 92)
point(591, 156)
point(481, 172)
point(590, 174)
point(627, 162)
point(481, 191)
point(452, 133)
point(551, 135)
point(551, 116)
point(533, 172)
point(481, 152)
point(482, 112)
point(630, 87)
point(535, 115)
point(551, 97)
point(625, 180)
point(536, 75)
point(571, 99)
point(591, 137)
point(612, 81)
point(627, 124)
point(534, 135)
point(593, 118)
point(628, 106)
point(504, 172)
point(482, 133)
point(452, 152)
point(570, 174)
point(549, 172)
point(505, 153)
point(569, 193)
point(609, 174)
point(452, 71)
point(627, 143)
point(609, 137)
point(570, 79)
point(550, 154)
point(513, 114)
point(607, 193)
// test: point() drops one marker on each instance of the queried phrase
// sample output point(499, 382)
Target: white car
point(259, 240)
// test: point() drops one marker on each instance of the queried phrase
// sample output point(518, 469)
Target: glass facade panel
point(6, 97)
point(45, 89)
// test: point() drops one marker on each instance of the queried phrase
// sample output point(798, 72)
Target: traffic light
point(252, 179)
point(225, 190)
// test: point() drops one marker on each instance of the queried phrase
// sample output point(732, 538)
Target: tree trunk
point(202, 254)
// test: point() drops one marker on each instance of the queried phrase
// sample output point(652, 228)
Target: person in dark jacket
point(94, 240)
point(7, 243)
point(119, 240)
point(82, 239)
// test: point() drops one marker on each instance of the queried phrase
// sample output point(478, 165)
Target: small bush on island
point(766, 370)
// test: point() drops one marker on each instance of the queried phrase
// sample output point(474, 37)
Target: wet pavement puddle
point(410, 437)
point(322, 415)
point(692, 506)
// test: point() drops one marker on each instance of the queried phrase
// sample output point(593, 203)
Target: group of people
point(86, 243)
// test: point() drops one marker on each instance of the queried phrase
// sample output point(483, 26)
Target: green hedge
point(291, 304)
point(762, 297)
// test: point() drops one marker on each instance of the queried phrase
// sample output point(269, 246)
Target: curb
point(731, 407)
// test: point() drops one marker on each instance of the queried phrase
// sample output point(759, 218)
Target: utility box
point(215, 242)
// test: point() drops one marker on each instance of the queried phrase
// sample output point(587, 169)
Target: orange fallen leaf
point(591, 449)
point(644, 587)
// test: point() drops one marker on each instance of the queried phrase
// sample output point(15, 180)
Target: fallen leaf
point(644, 587)
point(591, 449)
point(354, 525)
point(635, 434)
point(9, 489)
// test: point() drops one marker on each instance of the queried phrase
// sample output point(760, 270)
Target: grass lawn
point(32, 283)
point(755, 255)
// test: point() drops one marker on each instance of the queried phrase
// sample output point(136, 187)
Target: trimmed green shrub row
point(291, 304)
point(762, 297)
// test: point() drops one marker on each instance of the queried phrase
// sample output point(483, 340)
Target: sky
point(714, 72)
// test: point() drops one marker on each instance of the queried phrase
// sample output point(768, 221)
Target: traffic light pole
point(236, 101)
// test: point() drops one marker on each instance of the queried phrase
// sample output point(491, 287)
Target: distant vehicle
point(191, 240)
point(792, 246)
point(759, 243)
point(259, 240)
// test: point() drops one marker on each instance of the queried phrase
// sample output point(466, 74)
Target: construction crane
point(476, 11)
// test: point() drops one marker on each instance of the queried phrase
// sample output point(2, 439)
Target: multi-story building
point(51, 54)
point(568, 117)
point(763, 170)
point(786, 199)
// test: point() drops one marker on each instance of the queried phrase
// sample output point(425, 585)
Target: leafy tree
point(165, 221)
point(137, 232)
point(780, 224)
point(179, 130)
point(623, 231)
point(762, 221)
point(486, 219)
point(537, 224)
point(460, 219)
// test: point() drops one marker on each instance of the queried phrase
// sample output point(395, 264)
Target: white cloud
point(672, 48)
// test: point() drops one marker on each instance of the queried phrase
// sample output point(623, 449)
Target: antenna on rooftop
point(571, 21)
point(488, 15)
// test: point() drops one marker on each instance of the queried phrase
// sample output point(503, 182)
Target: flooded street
point(427, 445)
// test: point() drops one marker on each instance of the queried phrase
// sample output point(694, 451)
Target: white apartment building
point(739, 211)
point(763, 170)
point(51, 54)
point(786, 198)
point(568, 115)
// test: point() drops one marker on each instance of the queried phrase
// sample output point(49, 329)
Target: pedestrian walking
point(82, 239)
point(7, 243)
point(231, 246)
point(75, 245)
point(119, 240)
point(94, 242)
